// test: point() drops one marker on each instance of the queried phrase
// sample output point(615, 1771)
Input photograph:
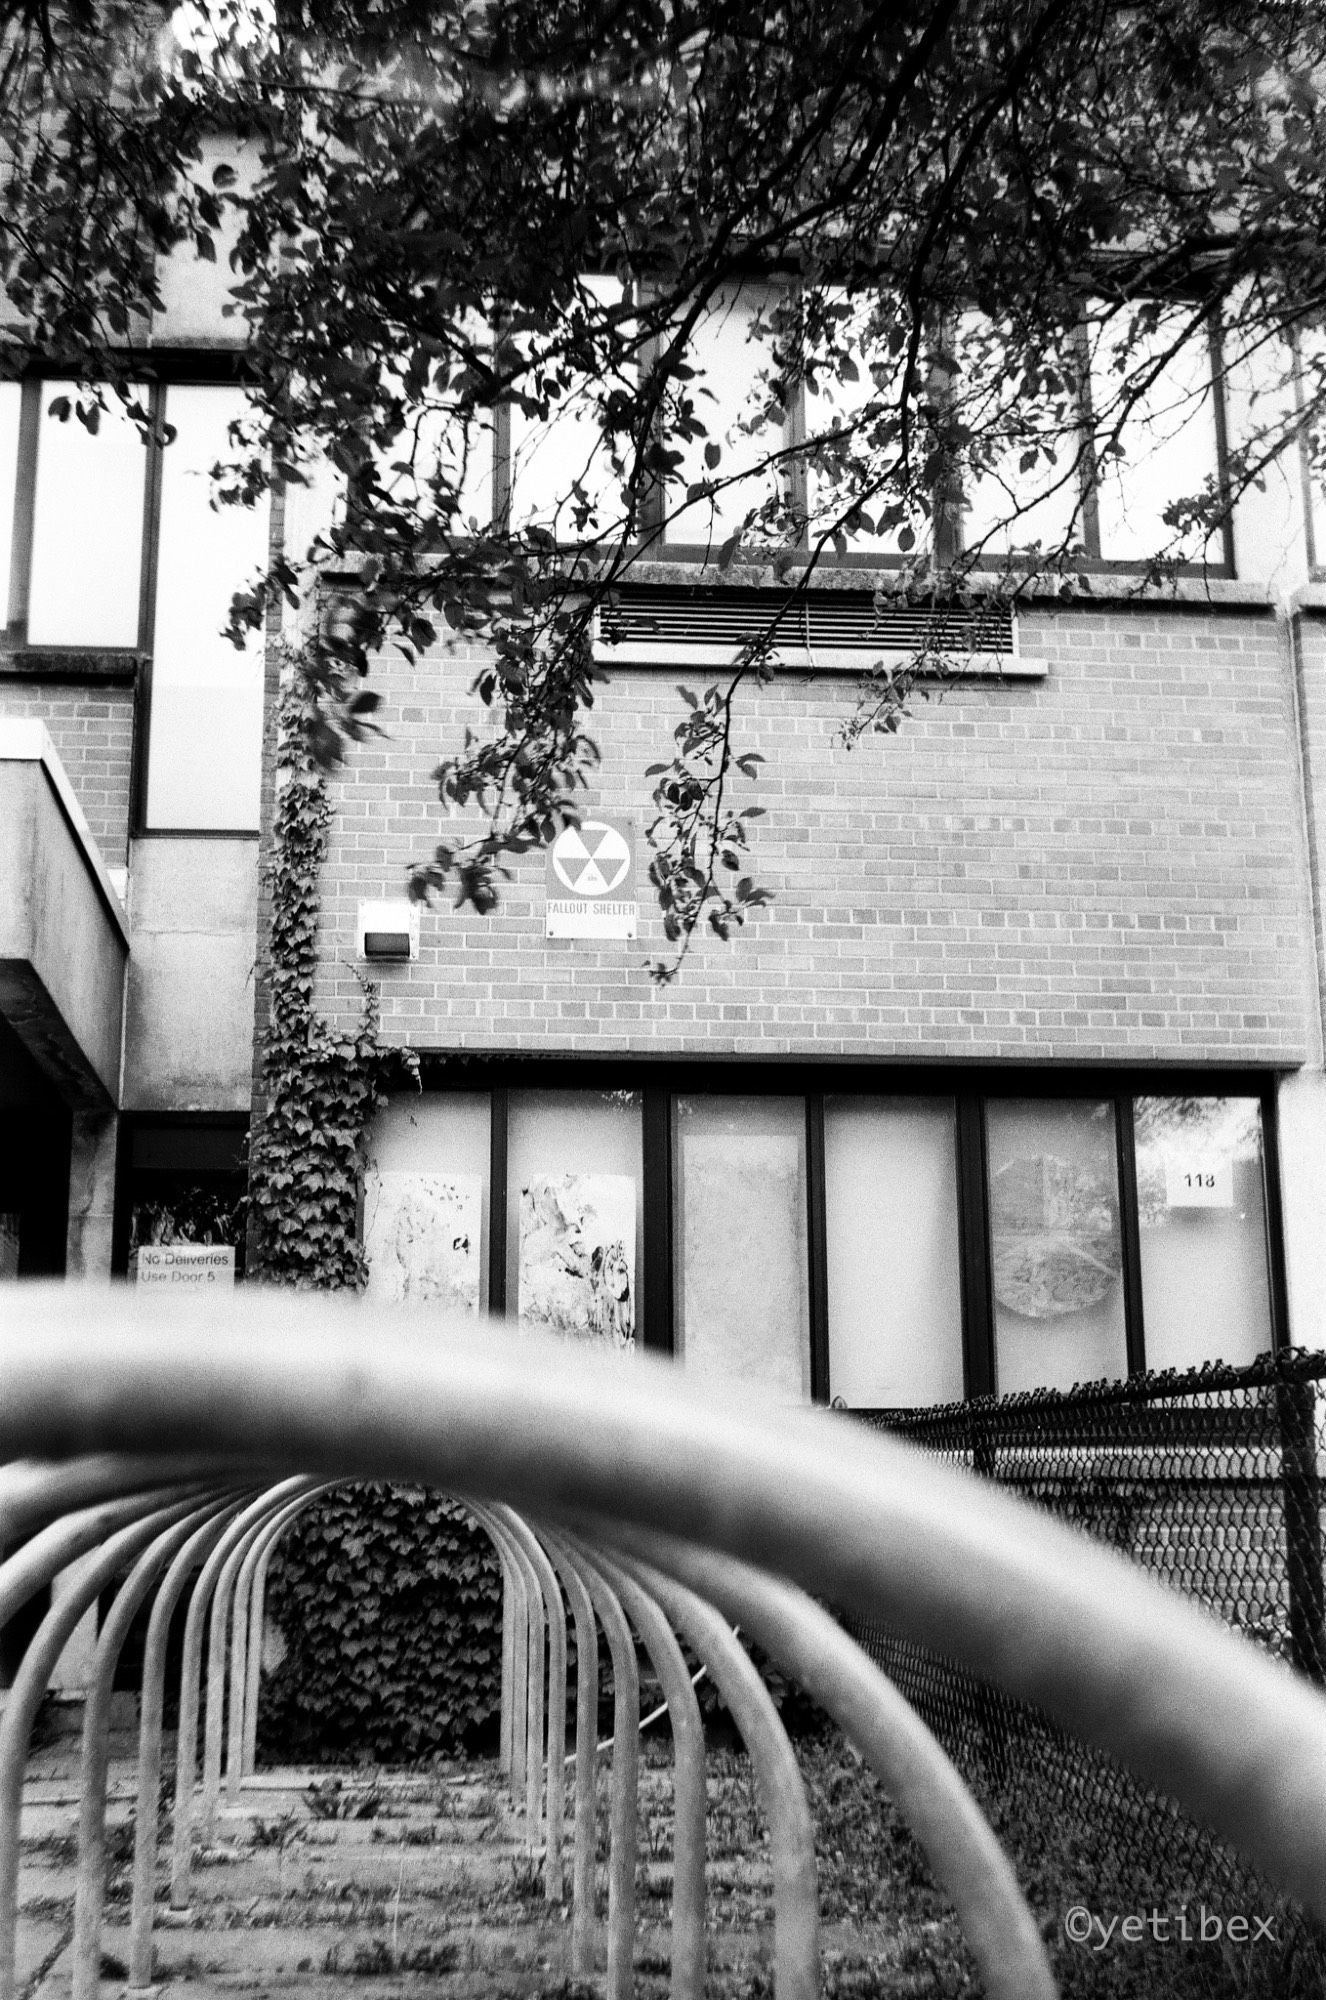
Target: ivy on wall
point(321, 1088)
point(387, 1601)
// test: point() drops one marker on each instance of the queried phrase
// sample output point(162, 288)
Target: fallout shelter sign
point(591, 881)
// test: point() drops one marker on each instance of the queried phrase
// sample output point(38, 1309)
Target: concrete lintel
point(34, 1015)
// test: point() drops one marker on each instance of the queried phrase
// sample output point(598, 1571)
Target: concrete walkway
point(322, 1881)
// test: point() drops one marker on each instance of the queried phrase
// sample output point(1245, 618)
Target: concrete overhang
point(64, 938)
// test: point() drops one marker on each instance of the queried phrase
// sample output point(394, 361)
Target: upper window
point(112, 544)
point(73, 501)
point(1162, 442)
point(967, 449)
point(204, 748)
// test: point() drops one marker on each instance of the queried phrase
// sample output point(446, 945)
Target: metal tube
point(787, 1810)
point(535, 1625)
point(242, 1640)
point(151, 1703)
point(23, 1574)
point(508, 1667)
point(513, 1600)
point(519, 1679)
point(33, 1491)
point(555, 1614)
point(625, 1773)
point(688, 1810)
point(34, 1672)
point(186, 1748)
point(253, 1650)
point(584, 1922)
point(812, 1648)
point(218, 1649)
point(349, 1389)
point(89, 1885)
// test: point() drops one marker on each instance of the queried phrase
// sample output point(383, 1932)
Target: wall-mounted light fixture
point(389, 930)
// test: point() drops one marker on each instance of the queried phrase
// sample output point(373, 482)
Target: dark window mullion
point(651, 502)
point(1090, 493)
point(147, 608)
point(1217, 374)
point(794, 439)
point(817, 1230)
point(656, 1282)
point(1130, 1242)
point(25, 507)
point(978, 1324)
point(1273, 1216)
point(497, 1169)
point(147, 576)
point(502, 467)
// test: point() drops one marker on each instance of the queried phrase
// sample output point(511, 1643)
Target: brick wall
point(1104, 865)
point(91, 726)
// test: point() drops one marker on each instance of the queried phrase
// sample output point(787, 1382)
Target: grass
point(889, 1931)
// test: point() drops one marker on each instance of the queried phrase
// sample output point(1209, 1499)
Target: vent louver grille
point(835, 621)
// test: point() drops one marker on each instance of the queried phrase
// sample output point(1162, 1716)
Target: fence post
point(991, 1708)
point(1296, 1410)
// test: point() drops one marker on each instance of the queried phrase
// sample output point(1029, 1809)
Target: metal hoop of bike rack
point(617, 1484)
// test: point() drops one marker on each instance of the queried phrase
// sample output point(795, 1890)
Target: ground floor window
point(880, 1238)
point(893, 1250)
point(1055, 1242)
point(180, 1200)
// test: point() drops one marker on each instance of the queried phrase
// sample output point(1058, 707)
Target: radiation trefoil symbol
point(590, 859)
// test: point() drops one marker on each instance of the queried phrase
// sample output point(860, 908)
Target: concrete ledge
point(64, 938)
point(1088, 585)
point(25, 741)
point(679, 654)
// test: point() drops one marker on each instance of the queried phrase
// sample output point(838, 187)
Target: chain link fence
point(1212, 1481)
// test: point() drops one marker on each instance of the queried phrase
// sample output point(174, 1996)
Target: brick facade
point(1105, 865)
point(92, 729)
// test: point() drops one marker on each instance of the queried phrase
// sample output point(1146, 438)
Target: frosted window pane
point(575, 1212)
point(87, 532)
point(548, 458)
point(1201, 1209)
point(195, 290)
point(733, 365)
point(205, 736)
point(834, 419)
point(434, 442)
point(1054, 1230)
point(11, 397)
point(740, 1233)
point(895, 1293)
point(1007, 507)
point(426, 1200)
point(1168, 438)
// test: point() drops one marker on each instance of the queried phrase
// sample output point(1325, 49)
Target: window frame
point(649, 535)
point(948, 525)
point(33, 389)
point(131, 1179)
point(658, 1082)
point(156, 373)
